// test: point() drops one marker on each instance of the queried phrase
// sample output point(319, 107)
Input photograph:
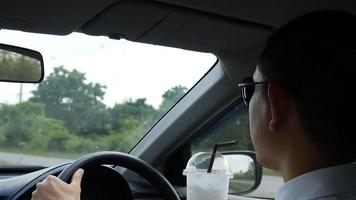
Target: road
point(268, 188)
point(24, 159)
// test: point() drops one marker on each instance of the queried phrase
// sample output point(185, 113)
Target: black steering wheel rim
point(123, 160)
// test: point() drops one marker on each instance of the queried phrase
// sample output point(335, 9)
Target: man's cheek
point(257, 117)
point(253, 122)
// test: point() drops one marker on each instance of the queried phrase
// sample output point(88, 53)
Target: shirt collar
point(319, 183)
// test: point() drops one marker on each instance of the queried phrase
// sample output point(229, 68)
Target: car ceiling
point(232, 29)
point(203, 25)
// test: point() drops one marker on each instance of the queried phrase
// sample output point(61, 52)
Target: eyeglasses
point(248, 88)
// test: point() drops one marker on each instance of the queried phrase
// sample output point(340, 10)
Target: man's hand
point(52, 188)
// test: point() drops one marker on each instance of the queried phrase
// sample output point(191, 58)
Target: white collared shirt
point(331, 183)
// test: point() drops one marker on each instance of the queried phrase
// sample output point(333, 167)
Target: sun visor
point(127, 19)
point(203, 32)
point(59, 17)
point(162, 24)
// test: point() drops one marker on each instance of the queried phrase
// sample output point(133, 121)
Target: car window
point(98, 94)
point(234, 125)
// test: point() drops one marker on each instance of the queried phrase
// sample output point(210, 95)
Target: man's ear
point(279, 102)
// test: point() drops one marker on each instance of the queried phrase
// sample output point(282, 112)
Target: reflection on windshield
point(68, 114)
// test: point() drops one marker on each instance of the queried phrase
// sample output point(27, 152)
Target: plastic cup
point(202, 185)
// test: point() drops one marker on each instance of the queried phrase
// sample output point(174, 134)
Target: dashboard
point(99, 182)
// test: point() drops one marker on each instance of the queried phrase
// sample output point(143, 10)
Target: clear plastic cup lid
point(199, 163)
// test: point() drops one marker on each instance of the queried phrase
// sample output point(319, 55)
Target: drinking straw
point(215, 148)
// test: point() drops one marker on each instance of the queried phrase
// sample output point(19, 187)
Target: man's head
point(309, 98)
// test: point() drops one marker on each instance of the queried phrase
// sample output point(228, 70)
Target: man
point(302, 106)
point(301, 102)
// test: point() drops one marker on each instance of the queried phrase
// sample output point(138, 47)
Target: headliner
point(202, 25)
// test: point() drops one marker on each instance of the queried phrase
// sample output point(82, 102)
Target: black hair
point(315, 56)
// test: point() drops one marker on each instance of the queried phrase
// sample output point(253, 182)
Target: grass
point(239, 186)
point(270, 172)
point(41, 153)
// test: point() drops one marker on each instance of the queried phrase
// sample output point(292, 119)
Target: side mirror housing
point(246, 171)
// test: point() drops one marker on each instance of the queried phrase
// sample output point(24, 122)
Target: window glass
point(98, 94)
point(234, 125)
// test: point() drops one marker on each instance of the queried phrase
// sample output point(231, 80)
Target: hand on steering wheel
point(137, 165)
point(54, 188)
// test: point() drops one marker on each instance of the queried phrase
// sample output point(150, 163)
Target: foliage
point(66, 116)
point(67, 97)
point(234, 128)
point(248, 174)
point(131, 114)
point(170, 97)
point(24, 124)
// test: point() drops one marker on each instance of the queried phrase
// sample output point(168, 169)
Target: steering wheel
point(124, 160)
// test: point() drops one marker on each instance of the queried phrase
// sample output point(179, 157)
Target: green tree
point(24, 125)
point(234, 128)
point(18, 122)
point(67, 97)
point(170, 97)
point(51, 135)
point(132, 114)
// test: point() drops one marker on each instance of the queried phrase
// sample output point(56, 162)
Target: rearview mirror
point(246, 171)
point(20, 65)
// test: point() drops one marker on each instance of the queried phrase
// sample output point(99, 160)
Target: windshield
point(98, 94)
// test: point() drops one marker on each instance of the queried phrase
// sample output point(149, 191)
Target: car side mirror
point(20, 65)
point(246, 171)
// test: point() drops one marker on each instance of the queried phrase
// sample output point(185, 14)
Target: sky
point(239, 163)
point(129, 70)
